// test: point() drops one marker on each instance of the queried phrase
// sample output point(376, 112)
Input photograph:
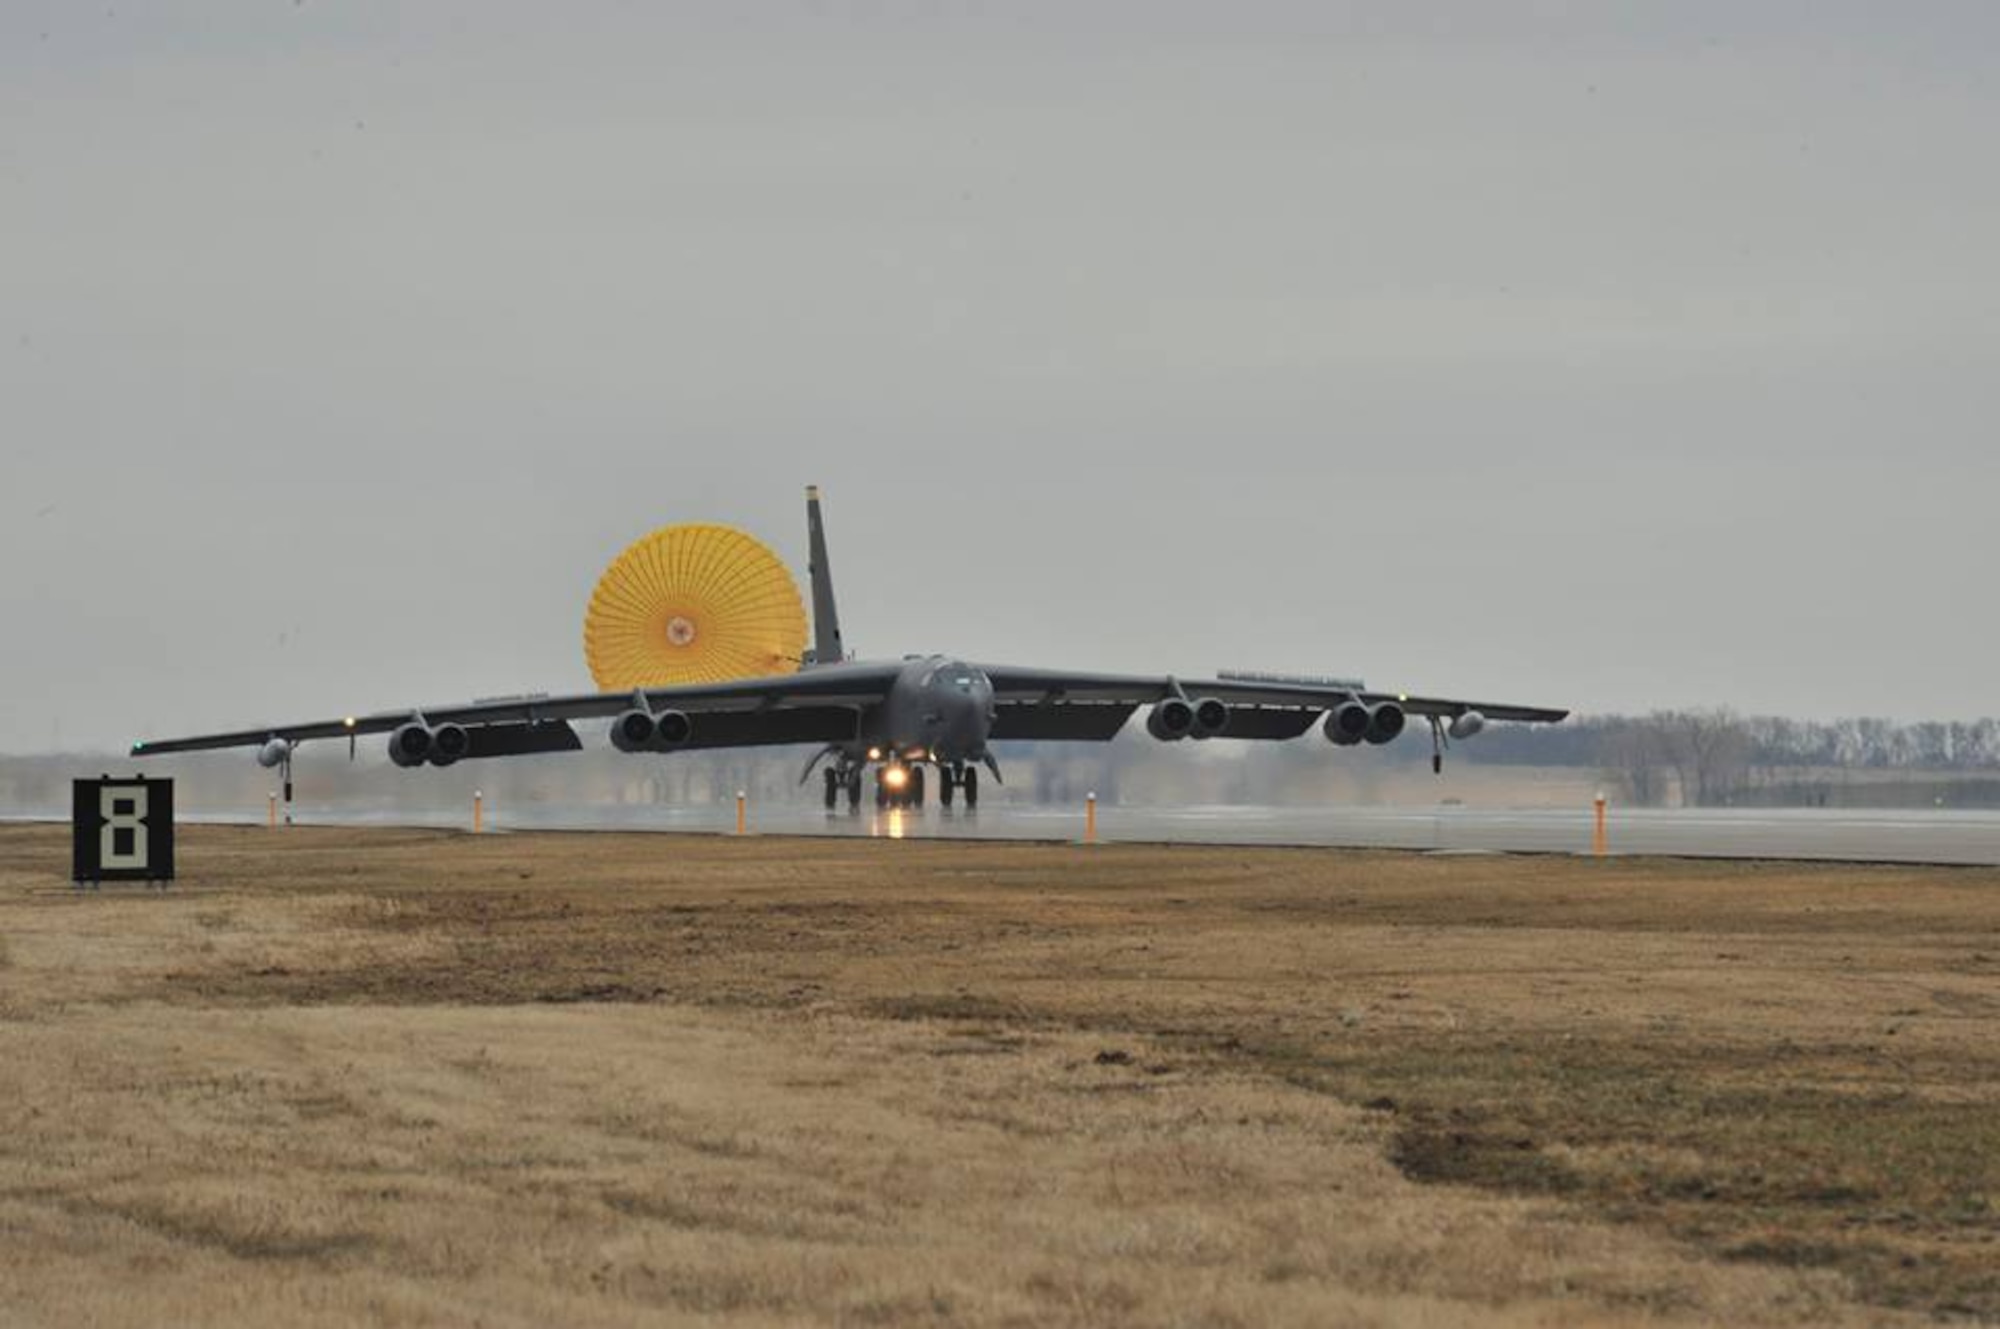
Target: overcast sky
point(1605, 355)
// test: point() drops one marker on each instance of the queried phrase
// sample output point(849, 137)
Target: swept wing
point(1051, 703)
point(795, 708)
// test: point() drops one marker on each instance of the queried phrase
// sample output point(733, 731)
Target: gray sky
point(1610, 355)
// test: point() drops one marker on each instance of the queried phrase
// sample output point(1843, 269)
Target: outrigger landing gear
point(968, 780)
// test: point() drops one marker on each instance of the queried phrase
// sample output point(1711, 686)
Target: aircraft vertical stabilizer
point(827, 646)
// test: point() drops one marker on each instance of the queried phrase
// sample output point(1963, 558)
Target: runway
point(1952, 837)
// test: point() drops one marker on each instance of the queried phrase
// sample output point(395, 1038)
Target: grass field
point(423, 1078)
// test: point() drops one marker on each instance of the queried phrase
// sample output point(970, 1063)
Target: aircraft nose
point(961, 713)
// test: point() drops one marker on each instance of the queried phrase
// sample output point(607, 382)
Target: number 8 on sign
point(122, 840)
point(122, 830)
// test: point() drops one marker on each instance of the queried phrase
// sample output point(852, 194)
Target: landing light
point(895, 777)
point(874, 754)
point(349, 722)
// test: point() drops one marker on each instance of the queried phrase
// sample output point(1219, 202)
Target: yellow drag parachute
point(693, 604)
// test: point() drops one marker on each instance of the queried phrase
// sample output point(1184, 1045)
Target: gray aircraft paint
point(827, 645)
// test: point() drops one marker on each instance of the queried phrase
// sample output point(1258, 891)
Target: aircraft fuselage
point(939, 709)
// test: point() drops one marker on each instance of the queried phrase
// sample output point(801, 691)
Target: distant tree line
point(1715, 756)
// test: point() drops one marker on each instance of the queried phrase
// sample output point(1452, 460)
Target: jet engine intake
point(1466, 724)
point(274, 753)
point(634, 731)
point(671, 729)
point(410, 745)
point(1170, 720)
point(449, 742)
point(1347, 724)
point(1211, 717)
point(1385, 723)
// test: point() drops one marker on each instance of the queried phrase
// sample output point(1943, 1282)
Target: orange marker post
point(271, 813)
point(478, 811)
point(1600, 841)
point(741, 821)
point(1090, 817)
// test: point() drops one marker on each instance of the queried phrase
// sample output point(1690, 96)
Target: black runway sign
point(123, 830)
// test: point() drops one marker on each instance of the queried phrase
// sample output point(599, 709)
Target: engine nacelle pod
point(274, 753)
point(1170, 720)
point(1211, 717)
point(1466, 725)
point(1347, 724)
point(449, 742)
point(634, 731)
point(1385, 723)
point(410, 745)
point(672, 729)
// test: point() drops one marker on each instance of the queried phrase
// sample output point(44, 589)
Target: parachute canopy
point(693, 604)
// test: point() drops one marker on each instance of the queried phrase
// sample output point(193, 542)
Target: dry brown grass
point(423, 1078)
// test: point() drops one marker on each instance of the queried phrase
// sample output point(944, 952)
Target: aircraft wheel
point(854, 790)
point(916, 788)
point(947, 783)
point(832, 789)
point(971, 788)
point(881, 791)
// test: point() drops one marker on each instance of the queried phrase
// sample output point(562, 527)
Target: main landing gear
point(958, 779)
point(845, 779)
point(901, 785)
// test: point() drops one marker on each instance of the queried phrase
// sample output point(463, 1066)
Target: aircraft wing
point(1017, 687)
point(813, 706)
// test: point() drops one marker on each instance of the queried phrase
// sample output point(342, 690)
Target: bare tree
point(1633, 756)
point(1708, 751)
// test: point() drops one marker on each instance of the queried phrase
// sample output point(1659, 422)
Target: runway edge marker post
point(1600, 840)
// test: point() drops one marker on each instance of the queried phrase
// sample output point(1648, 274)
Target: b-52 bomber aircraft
point(684, 599)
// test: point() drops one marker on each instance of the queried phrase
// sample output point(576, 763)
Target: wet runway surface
point(1870, 836)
